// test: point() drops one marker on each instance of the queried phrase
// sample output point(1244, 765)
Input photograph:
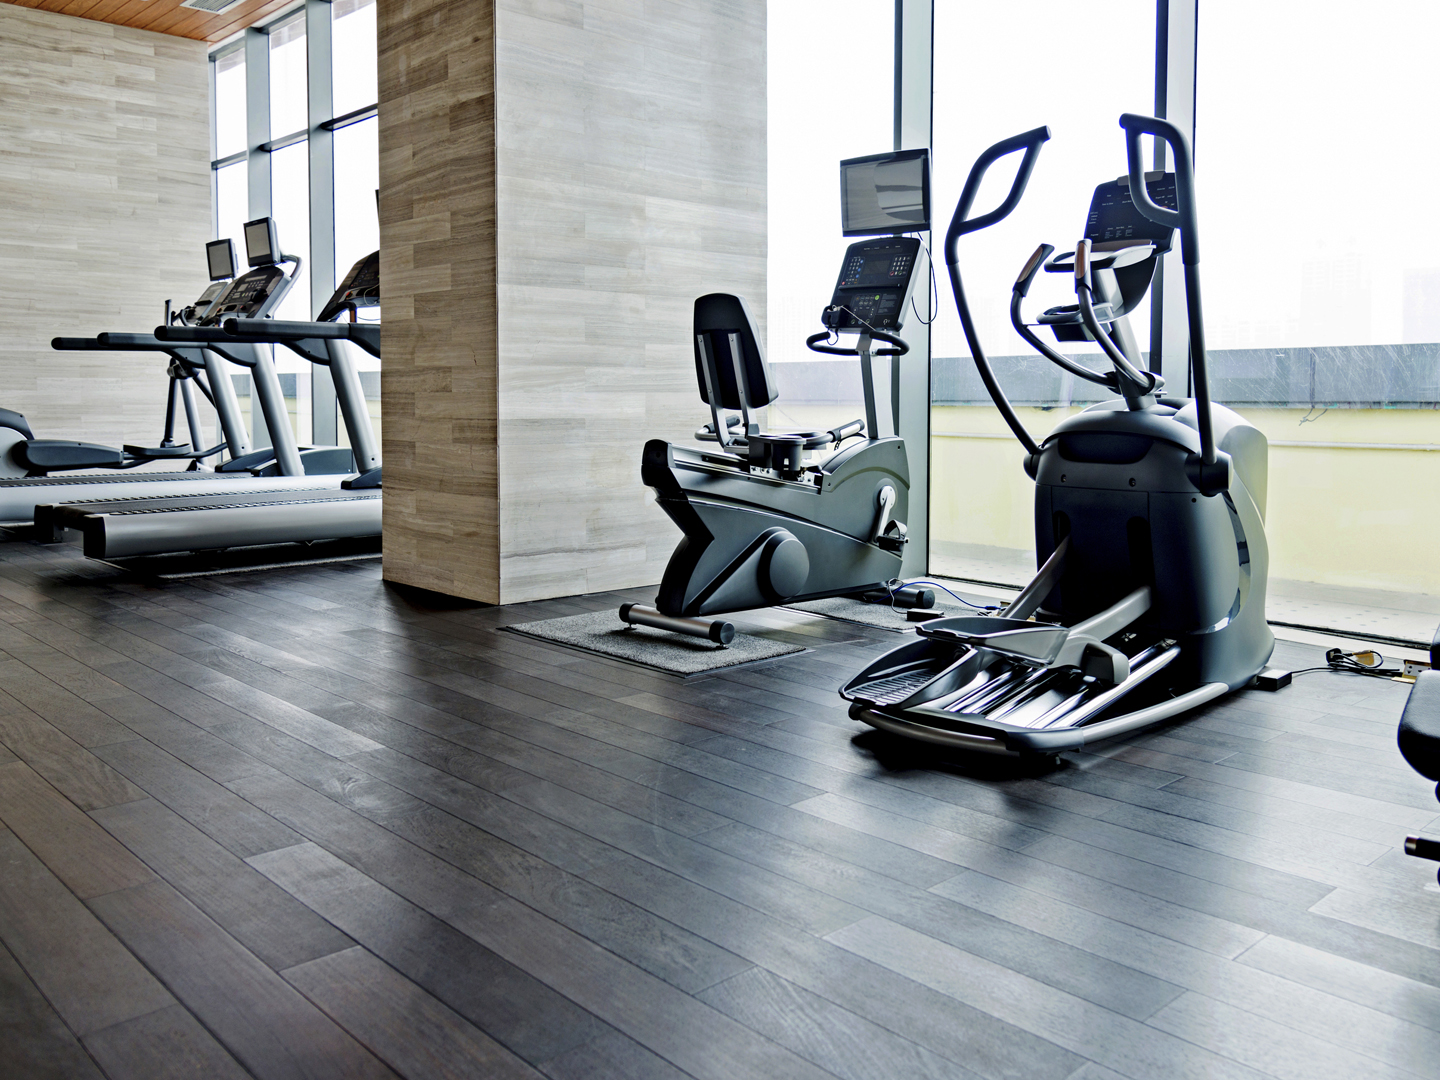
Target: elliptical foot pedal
point(716, 630)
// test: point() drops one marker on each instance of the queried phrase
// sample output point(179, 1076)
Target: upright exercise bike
point(782, 517)
point(1150, 596)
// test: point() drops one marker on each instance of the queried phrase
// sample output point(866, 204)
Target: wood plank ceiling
point(165, 16)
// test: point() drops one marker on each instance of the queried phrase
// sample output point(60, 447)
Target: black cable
point(894, 585)
point(1339, 660)
point(934, 287)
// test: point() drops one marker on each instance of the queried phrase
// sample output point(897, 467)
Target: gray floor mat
point(881, 615)
point(602, 632)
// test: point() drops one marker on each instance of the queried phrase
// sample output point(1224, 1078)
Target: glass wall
point(352, 42)
point(1323, 275)
point(357, 177)
point(229, 103)
point(289, 85)
point(1059, 66)
point(811, 129)
point(348, 66)
point(232, 206)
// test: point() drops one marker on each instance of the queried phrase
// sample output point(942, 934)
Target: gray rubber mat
point(881, 615)
point(675, 654)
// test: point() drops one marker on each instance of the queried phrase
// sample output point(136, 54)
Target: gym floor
point(300, 824)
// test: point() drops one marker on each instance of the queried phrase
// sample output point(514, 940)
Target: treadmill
point(281, 467)
point(184, 523)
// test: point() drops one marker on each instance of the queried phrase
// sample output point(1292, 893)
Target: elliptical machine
point(783, 517)
point(1150, 596)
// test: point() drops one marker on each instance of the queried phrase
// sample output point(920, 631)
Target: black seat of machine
point(1419, 739)
point(731, 370)
point(1419, 735)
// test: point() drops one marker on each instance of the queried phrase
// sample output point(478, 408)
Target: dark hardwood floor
point(300, 824)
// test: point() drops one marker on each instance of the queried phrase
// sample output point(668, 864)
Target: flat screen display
point(260, 242)
point(220, 257)
point(885, 193)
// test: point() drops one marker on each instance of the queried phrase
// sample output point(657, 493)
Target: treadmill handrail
point(365, 335)
point(193, 334)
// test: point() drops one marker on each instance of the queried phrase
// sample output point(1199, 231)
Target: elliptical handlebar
point(901, 348)
point(1211, 473)
point(960, 224)
point(1183, 216)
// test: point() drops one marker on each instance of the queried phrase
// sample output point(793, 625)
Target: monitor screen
point(220, 257)
point(261, 243)
point(885, 193)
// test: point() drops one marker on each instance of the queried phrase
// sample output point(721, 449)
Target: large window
point(292, 150)
point(1079, 74)
point(810, 130)
point(1323, 275)
point(354, 82)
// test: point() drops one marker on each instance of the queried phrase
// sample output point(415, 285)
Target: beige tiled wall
point(620, 148)
point(104, 213)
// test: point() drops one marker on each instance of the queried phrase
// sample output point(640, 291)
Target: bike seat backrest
point(717, 316)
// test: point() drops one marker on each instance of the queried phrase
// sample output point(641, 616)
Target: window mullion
point(257, 120)
point(1175, 39)
point(322, 197)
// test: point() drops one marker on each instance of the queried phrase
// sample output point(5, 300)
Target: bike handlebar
point(901, 348)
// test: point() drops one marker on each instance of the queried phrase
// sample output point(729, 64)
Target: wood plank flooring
point(304, 824)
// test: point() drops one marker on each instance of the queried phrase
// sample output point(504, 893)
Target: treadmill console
point(875, 283)
point(201, 307)
point(361, 288)
point(249, 296)
point(1114, 221)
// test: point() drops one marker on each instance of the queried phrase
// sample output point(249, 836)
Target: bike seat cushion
point(1419, 735)
point(809, 440)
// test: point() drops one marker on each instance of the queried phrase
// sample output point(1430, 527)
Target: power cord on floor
point(1366, 662)
point(894, 585)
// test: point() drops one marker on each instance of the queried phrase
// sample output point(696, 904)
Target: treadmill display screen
point(220, 257)
point(885, 193)
point(261, 247)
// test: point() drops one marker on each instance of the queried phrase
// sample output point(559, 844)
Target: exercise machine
point(23, 455)
point(255, 292)
point(1150, 594)
point(1419, 740)
point(349, 509)
point(782, 517)
point(255, 295)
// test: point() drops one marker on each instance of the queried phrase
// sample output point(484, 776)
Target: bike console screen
point(885, 193)
point(875, 282)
